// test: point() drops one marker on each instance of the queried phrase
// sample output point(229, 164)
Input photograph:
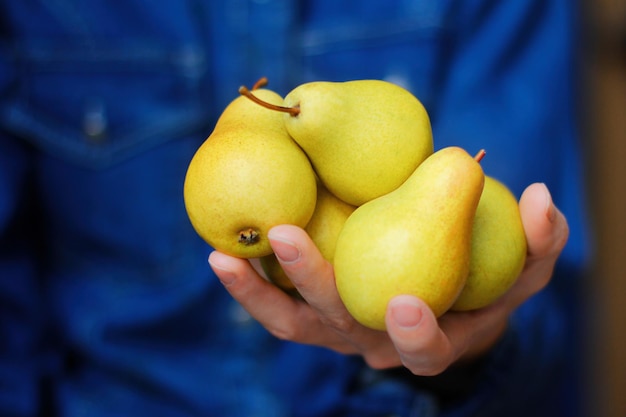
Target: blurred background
point(605, 136)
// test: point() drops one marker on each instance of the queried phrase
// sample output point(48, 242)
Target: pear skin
point(415, 240)
point(363, 137)
point(498, 248)
point(324, 227)
point(327, 221)
point(276, 275)
point(248, 176)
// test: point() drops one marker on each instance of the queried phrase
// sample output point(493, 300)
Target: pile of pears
point(353, 163)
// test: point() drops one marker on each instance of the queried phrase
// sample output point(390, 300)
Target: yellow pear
point(248, 176)
point(363, 137)
point(276, 275)
point(328, 218)
point(498, 248)
point(415, 240)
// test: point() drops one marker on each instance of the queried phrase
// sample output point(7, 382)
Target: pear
point(498, 248)
point(276, 275)
point(415, 240)
point(363, 137)
point(248, 176)
point(324, 227)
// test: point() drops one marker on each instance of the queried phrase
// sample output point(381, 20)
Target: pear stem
point(480, 155)
point(260, 84)
point(243, 90)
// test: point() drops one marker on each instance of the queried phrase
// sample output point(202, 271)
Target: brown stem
point(480, 155)
point(243, 90)
point(260, 84)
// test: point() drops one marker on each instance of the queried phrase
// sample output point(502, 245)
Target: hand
point(414, 337)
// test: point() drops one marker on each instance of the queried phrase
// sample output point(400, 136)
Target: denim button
point(95, 120)
point(239, 315)
point(400, 79)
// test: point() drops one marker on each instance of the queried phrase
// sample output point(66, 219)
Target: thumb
point(546, 234)
point(545, 226)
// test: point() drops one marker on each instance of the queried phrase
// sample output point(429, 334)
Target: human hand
point(414, 338)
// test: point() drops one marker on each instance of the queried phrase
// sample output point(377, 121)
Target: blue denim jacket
point(107, 304)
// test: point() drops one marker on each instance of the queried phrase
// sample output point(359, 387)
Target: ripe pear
point(415, 240)
point(363, 137)
point(498, 248)
point(248, 176)
point(324, 227)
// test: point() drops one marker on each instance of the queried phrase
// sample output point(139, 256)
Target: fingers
point(312, 275)
point(421, 344)
point(253, 293)
point(546, 227)
point(546, 233)
point(282, 315)
point(428, 346)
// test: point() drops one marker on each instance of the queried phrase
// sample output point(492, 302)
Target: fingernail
point(406, 312)
point(226, 276)
point(285, 250)
point(550, 209)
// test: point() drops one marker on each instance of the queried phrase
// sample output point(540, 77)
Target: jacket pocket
point(98, 103)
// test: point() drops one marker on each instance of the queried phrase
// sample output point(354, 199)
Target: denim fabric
point(107, 304)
